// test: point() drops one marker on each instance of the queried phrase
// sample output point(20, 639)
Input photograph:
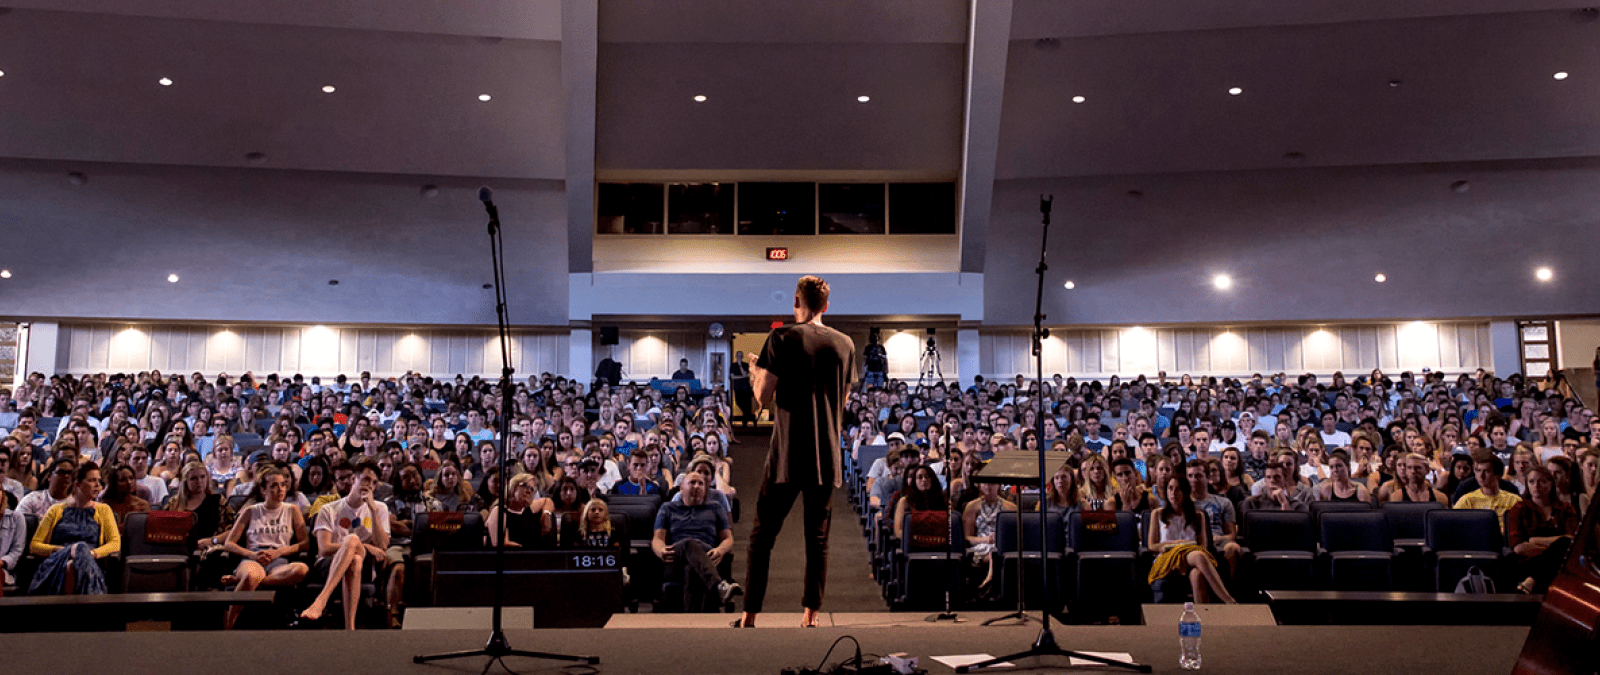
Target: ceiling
point(782, 77)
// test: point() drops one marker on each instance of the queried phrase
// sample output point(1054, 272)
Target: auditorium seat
point(923, 576)
point(1101, 561)
point(1321, 507)
point(1458, 540)
point(154, 567)
point(1408, 524)
point(1280, 550)
point(1033, 563)
point(1358, 550)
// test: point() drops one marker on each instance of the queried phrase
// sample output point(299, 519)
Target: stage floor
point(682, 650)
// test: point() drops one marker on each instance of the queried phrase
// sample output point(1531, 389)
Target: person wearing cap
point(883, 491)
point(1247, 425)
point(880, 467)
point(1227, 437)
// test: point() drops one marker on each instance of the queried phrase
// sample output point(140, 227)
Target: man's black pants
point(772, 507)
point(745, 399)
point(692, 565)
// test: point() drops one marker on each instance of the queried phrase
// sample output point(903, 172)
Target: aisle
point(849, 588)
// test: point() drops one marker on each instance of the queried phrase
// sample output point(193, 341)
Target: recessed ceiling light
point(1222, 282)
point(863, 98)
point(1235, 91)
point(484, 97)
point(165, 81)
point(2, 73)
point(172, 278)
point(1560, 75)
point(1069, 285)
point(5, 274)
point(1380, 278)
point(700, 98)
point(1544, 274)
point(328, 89)
point(1078, 99)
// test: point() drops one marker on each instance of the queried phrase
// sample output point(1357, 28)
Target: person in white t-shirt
point(352, 535)
point(151, 488)
point(1331, 436)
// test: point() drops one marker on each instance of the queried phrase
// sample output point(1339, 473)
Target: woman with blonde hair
point(452, 492)
point(1097, 488)
point(195, 495)
point(594, 526)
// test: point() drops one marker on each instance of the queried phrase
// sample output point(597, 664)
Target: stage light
point(172, 278)
point(2, 73)
point(1078, 99)
point(1544, 274)
point(165, 81)
point(1222, 282)
point(1380, 278)
point(863, 99)
point(484, 97)
point(700, 98)
point(1235, 91)
point(328, 89)
point(1560, 75)
point(1069, 285)
point(5, 274)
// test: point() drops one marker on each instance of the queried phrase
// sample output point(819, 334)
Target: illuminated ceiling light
point(484, 97)
point(1235, 91)
point(172, 278)
point(863, 98)
point(1078, 99)
point(1544, 274)
point(1069, 285)
point(1380, 278)
point(1222, 282)
point(1560, 75)
point(5, 274)
point(700, 98)
point(165, 81)
point(328, 89)
point(2, 73)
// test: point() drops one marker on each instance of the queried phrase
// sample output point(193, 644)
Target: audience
point(73, 536)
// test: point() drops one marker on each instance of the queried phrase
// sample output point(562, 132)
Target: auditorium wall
point(1241, 351)
point(1301, 245)
point(310, 350)
point(262, 245)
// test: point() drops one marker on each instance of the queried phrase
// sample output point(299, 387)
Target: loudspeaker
point(608, 335)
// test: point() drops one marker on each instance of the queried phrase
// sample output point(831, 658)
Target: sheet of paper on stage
point(959, 660)
point(1115, 656)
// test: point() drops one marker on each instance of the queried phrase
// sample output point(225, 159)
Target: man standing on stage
point(803, 372)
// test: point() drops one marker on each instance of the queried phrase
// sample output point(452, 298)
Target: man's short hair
point(1493, 460)
point(812, 292)
point(362, 465)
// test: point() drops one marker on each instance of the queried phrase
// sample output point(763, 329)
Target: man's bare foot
point(1527, 586)
point(808, 618)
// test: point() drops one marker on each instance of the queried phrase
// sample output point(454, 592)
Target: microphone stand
point(1045, 644)
point(950, 544)
point(498, 647)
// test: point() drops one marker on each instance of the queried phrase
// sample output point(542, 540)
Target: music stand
point(1012, 467)
point(1045, 644)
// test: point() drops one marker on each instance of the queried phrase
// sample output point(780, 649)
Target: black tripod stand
point(1045, 644)
point(953, 531)
point(498, 648)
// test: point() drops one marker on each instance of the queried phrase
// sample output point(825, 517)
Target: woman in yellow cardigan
point(73, 534)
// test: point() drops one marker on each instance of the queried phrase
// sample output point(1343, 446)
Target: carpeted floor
point(849, 588)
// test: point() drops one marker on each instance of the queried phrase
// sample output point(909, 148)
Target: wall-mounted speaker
point(608, 335)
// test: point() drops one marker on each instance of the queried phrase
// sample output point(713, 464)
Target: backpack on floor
point(1475, 583)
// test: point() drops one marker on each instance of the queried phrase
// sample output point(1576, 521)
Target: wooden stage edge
point(686, 650)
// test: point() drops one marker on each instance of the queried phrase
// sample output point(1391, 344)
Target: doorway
point(746, 343)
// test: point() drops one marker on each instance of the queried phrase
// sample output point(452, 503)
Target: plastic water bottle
point(1189, 638)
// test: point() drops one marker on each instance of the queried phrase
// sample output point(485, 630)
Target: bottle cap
point(1188, 606)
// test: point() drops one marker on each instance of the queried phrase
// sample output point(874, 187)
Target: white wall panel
point(1353, 349)
point(319, 350)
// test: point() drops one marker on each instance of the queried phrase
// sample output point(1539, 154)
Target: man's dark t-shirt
point(813, 365)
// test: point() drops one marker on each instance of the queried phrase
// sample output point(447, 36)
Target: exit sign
point(777, 253)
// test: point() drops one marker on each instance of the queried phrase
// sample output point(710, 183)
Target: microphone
point(486, 195)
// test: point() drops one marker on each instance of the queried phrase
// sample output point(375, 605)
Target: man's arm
point(658, 545)
point(724, 546)
point(763, 382)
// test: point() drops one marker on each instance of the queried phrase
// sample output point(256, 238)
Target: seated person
point(1219, 513)
point(528, 518)
point(594, 526)
point(1540, 530)
point(701, 534)
point(352, 537)
point(979, 520)
point(1414, 486)
point(922, 493)
point(72, 536)
point(264, 536)
point(57, 490)
point(1279, 492)
point(639, 481)
point(1486, 467)
point(1340, 485)
point(707, 467)
point(1181, 538)
point(122, 494)
point(13, 536)
point(407, 501)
